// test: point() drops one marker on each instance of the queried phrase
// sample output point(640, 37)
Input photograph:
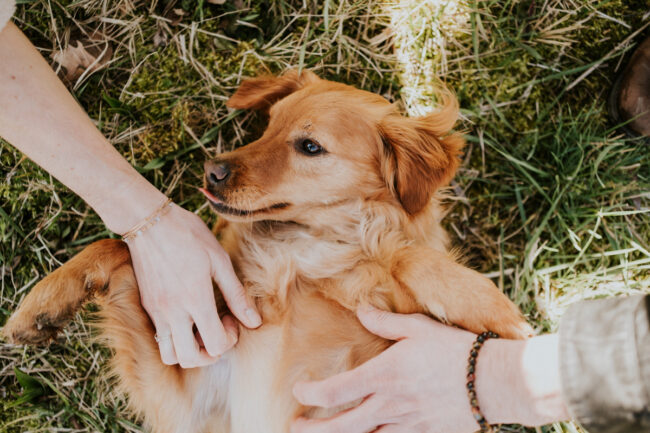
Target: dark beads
point(471, 377)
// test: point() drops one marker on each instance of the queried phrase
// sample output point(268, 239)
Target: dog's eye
point(310, 147)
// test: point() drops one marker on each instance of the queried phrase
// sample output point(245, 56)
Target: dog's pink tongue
point(209, 195)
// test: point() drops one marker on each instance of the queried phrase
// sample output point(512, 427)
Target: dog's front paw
point(49, 306)
point(33, 328)
point(513, 328)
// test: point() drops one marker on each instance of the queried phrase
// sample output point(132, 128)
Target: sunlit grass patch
point(552, 202)
point(424, 32)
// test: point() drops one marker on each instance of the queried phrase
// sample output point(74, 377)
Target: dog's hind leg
point(102, 272)
point(163, 394)
point(52, 303)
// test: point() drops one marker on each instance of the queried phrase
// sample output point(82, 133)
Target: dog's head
point(328, 143)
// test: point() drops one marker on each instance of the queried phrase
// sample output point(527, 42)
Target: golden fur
point(312, 238)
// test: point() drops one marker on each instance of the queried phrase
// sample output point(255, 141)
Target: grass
point(551, 200)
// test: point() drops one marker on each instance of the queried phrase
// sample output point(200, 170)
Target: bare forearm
point(519, 381)
point(40, 118)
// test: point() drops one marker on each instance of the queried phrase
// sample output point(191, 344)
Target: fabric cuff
point(605, 365)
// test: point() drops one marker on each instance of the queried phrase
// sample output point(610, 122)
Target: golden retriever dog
point(334, 207)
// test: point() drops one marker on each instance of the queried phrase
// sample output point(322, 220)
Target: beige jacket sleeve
point(7, 8)
point(605, 364)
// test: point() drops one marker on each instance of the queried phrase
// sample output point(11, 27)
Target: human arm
point(418, 384)
point(176, 260)
point(596, 370)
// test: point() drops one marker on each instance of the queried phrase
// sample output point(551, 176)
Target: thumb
point(388, 325)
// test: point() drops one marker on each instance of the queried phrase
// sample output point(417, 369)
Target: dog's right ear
point(423, 155)
point(262, 92)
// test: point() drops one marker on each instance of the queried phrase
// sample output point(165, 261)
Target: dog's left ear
point(262, 92)
point(421, 154)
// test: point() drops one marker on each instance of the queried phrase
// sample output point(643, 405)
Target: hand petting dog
point(175, 260)
point(175, 269)
point(418, 384)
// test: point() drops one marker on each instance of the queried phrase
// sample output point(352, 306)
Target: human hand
point(419, 383)
point(409, 387)
point(175, 262)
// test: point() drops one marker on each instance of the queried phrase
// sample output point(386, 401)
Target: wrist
point(127, 204)
point(518, 381)
point(540, 366)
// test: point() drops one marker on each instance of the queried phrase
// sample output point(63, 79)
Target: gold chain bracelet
point(148, 222)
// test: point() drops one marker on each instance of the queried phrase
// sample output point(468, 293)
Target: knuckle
point(206, 314)
point(160, 304)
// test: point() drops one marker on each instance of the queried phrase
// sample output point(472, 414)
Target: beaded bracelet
point(148, 222)
point(471, 377)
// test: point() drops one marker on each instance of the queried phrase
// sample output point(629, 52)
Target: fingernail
point(254, 318)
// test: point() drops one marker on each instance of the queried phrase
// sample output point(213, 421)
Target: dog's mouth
point(218, 205)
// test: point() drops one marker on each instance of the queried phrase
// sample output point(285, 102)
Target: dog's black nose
point(217, 172)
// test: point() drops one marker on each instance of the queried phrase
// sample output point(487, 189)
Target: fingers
point(216, 339)
point(233, 291)
point(166, 345)
point(391, 326)
point(188, 352)
point(360, 419)
point(340, 389)
point(231, 326)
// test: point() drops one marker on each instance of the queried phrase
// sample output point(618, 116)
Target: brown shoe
point(630, 98)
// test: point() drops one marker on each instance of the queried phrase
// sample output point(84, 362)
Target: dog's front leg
point(458, 295)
